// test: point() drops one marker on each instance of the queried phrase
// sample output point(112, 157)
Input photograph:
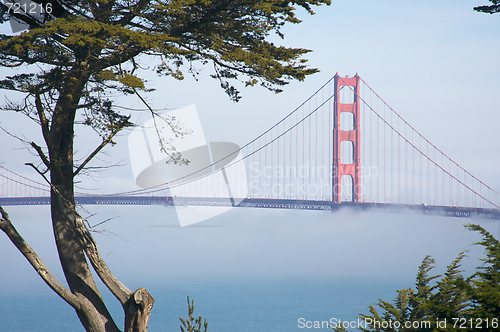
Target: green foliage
point(191, 324)
point(231, 35)
point(485, 290)
point(450, 298)
point(83, 52)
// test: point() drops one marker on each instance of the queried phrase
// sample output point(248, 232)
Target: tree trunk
point(137, 311)
point(93, 313)
point(73, 240)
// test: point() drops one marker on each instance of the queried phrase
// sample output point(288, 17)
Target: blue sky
point(436, 63)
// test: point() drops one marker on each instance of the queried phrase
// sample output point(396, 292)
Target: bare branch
point(41, 154)
point(102, 222)
point(14, 136)
point(96, 151)
point(174, 156)
point(42, 174)
point(44, 123)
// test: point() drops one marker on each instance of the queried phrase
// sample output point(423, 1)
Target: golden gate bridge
point(344, 146)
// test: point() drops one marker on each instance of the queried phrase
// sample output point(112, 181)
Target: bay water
point(230, 305)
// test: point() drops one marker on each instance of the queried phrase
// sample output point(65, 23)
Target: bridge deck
point(467, 212)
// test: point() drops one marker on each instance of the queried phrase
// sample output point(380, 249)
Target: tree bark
point(92, 313)
point(73, 240)
point(137, 311)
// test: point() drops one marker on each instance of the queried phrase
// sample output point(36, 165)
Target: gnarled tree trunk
point(73, 240)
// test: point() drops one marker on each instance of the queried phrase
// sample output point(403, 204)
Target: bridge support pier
point(349, 133)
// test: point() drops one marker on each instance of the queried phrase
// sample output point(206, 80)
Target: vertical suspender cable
point(363, 155)
point(290, 153)
point(303, 150)
point(377, 154)
point(316, 148)
point(443, 183)
point(392, 162)
point(271, 157)
point(297, 157)
point(435, 180)
point(330, 143)
point(385, 165)
point(399, 167)
point(450, 185)
point(406, 170)
point(428, 177)
point(413, 170)
point(370, 151)
point(308, 177)
point(421, 175)
point(322, 145)
point(465, 190)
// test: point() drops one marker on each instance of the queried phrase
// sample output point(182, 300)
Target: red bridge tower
point(350, 135)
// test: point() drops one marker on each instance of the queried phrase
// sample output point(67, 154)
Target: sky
point(435, 63)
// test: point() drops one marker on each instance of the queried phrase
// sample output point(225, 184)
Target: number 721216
point(25, 8)
point(478, 323)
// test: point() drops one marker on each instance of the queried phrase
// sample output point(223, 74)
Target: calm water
point(265, 305)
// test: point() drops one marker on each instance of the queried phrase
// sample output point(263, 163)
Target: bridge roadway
point(467, 212)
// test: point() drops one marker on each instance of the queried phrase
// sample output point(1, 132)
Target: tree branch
point(42, 155)
point(174, 156)
point(118, 57)
point(35, 261)
point(44, 122)
point(96, 151)
point(128, 17)
point(119, 290)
